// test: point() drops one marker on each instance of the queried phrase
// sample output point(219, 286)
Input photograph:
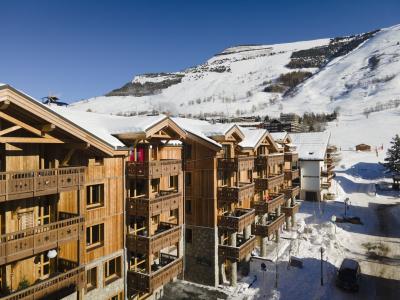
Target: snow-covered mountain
point(354, 74)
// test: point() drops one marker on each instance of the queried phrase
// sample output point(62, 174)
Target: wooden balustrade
point(291, 156)
point(155, 243)
point(21, 244)
point(262, 207)
point(235, 193)
point(27, 184)
point(239, 219)
point(149, 282)
point(73, 279)
point(154, 169)
point(292, 174)
point(266, 230)
point(239, 252)
point(291, 210)
point(236, 164)
point(154, 206)
point(263, 184)
point(291, 192)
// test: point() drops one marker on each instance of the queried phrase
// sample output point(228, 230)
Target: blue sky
point(80, 49)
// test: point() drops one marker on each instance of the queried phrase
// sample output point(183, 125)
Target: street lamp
point(333, 219)
point(322, 249)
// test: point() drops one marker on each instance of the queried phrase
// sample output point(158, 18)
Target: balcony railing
point(276, 200)
point(28, 184)
point(166, 236)
point(236, 193)
point(275, 159)
point(291, 192)
point(238, 253)
point(291, 210)
point(73, 279)
point(21, 244)
point(263, 184)
point(291, 156)
point(165, 202)
point(236, 164)
point(292, 174)
point(272, 225)
point(237, 220)
point(147, 283)
point(154, 169)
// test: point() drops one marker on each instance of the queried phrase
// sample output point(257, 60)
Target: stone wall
point(201, 256)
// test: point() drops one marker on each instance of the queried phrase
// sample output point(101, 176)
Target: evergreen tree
point(392, 160)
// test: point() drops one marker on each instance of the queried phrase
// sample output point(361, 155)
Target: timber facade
point(89, 215)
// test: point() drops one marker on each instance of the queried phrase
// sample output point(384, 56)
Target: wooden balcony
point(166, 236)
point(272, 225)
point(150, 207)
point(236, 164)
point(263, 207)
point(69, 281)
point(147, 283)
point(291, 210)
point(25, 243)
point(276, 159)
point(291, 192)
point(154, 169)
point(238, 253)
point(235, 193)
point(28, 184)
point(263, 184)
point(292, 174)
point(237, 220)
point(291, 156)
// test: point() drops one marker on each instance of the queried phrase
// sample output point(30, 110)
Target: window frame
point(89, 234)
point(90, 204)
point(107, 277)
point(90, 286)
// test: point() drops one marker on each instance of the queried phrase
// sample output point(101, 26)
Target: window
point(95, 235)
point(94, 195)
point(155, 185)
point(188, 206)
point(91, 279)
point(117, 297)
point(99, 161)
point(188, 235)
point(188, 179)
point(44, 212)
point(112, 269)
point(173, 182)
point(188, 151)
point(43, 265)
point(227, 151)
point(173, 214)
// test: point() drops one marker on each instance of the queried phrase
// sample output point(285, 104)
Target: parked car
point(348, 276)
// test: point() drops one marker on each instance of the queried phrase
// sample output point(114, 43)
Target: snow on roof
point(199, 128)
point(251, 137)
point(311, 145)
point(106, 126)
point(278, 136)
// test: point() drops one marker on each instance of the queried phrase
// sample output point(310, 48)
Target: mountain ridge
point(247, 79)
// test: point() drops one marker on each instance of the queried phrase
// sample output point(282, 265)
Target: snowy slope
point(232, 82)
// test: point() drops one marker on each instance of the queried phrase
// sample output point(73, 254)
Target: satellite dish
point(52, 254)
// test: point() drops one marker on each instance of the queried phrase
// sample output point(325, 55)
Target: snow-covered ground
point(350, 82)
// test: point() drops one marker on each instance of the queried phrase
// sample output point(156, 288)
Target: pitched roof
point(279, 136)
point(252, 137)
point(311, 145)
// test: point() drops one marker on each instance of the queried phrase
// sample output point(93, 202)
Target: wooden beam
point(10, 129)
point(81, 146)
point(26, 126)
point(67, 157)
point(30, 140)
point(48, 128)
point(4, 104)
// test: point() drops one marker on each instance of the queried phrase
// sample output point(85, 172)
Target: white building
point(312, 149)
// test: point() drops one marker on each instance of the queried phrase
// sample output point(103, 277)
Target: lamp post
point(322, 249)
point(333, 219)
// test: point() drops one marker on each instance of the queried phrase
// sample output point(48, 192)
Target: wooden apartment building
point(61, 206)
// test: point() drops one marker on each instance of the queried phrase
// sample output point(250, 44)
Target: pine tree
point(392, 160)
